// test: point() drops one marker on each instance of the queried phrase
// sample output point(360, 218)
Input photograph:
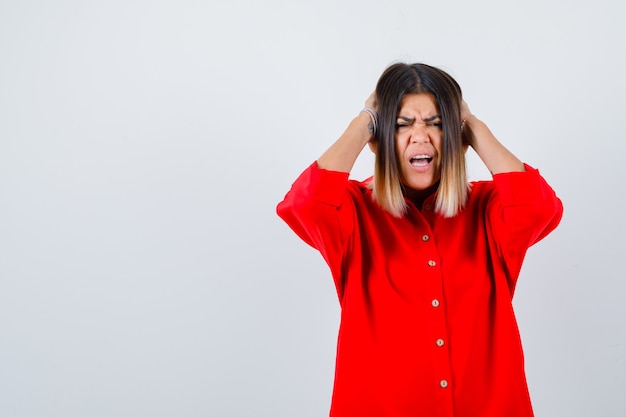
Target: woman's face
point(419, 137)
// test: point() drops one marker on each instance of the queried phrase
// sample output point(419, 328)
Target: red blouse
point(427, 325)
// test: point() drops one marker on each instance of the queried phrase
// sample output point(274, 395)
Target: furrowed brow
point(432, 118)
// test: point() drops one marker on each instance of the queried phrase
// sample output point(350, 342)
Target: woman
point(425, 264)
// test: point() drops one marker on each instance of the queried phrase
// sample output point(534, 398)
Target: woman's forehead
point(418, 104)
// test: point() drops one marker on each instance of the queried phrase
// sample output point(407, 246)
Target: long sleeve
point(525, 210)
point(318, 209)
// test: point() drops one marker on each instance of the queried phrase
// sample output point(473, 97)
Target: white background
point(145, 144)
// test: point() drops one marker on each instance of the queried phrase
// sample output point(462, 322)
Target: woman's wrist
point(372, 125)
point(363, 127)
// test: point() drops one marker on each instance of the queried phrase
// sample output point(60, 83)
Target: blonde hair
point(397, 81)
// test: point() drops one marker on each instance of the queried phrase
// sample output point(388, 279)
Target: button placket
point(434, 282)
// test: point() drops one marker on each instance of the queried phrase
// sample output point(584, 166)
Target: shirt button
point(427, 207)
point(425, 238)
point(432, 263)
point(443, 383)
point(435, 303)
point(440, 342)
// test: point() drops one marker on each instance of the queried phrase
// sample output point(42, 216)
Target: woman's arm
point(494, 155)
point(342, 155)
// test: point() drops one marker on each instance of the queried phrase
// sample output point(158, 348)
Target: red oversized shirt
point(427, 325)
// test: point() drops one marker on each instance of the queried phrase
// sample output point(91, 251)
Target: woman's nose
point(419, 133)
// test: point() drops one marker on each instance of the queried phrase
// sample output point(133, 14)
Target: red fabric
point(425, 299)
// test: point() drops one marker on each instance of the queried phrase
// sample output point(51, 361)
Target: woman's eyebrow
point(412, 119)
point(431, 118)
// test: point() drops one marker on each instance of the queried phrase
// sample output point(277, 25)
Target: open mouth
point(421, 160)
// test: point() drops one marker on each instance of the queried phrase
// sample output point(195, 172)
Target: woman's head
point(418, 142)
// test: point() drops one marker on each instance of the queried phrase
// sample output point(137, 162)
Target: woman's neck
point(418, 197)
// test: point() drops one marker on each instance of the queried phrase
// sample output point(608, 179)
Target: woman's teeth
point(421, 160)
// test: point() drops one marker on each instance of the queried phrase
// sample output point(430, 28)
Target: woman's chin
point(421, 184)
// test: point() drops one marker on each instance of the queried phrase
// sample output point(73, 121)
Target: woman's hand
point(371, 101)
point(465, 111)
point(466, 133)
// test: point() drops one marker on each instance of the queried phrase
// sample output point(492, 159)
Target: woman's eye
point(400, 125)
point(437, 124)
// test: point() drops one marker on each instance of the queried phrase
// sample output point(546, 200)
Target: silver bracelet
point(373, 117)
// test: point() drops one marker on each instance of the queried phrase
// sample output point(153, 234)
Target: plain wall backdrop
point(145, 144)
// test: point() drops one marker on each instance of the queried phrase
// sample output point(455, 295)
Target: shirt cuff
point(325, 186)
point(518, 188)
